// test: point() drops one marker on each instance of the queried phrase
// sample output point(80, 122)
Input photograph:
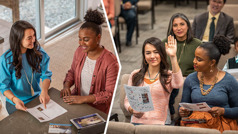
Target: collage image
point(119, 66)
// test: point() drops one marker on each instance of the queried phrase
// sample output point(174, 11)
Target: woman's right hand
point(19, 104)
point(183, 112)
point(65, 92)
point(135, 113)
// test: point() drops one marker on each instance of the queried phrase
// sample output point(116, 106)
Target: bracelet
point(12, 99)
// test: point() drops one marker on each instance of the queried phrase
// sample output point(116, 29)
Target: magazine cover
point(60, 128)
point(87, 121)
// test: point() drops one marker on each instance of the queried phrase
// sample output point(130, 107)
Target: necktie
point(212, 29)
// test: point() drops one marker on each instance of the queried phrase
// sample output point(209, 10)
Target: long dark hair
point(219, 46)
point(138, 78)
point(170, 28)
point(34, 56)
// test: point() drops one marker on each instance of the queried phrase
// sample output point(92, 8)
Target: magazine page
point(52, 111)
point(139, 98)
point(196, 106)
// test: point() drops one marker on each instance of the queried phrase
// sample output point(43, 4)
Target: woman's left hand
point(171, 46)
point(217, 111)
point(44, 98)
point(74, 99)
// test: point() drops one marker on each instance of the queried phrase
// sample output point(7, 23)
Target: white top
point(86, 76)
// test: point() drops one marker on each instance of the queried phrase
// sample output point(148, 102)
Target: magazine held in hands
point(139, 98)
point(92, 123)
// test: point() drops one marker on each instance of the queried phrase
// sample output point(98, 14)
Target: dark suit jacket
point(225, 26)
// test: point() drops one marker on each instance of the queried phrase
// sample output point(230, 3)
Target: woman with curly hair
point(22, 67)
point(94, 69)
point(217, 88)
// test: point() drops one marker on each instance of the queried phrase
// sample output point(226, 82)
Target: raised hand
point(171, 46)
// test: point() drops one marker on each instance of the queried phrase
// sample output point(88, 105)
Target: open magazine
point(52, 111)
point(139, 98)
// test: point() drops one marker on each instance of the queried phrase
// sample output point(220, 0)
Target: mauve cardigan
point(103, 79)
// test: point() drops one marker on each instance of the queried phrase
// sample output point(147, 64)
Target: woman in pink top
point(155, 74)
point(94, 69)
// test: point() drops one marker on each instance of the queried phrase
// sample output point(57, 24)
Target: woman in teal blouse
point(22, 67)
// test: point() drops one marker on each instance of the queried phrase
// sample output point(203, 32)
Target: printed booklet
point(60, 128)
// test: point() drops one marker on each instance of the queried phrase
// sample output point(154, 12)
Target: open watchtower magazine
point(139, 98)
point(196, 106)
point(52, 111)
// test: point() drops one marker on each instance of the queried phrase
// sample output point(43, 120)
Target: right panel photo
point(179, 66)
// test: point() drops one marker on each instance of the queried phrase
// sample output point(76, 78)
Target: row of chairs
point(143, 6)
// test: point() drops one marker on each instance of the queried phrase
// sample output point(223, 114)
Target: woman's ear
point(98, 38)
point(213, 62)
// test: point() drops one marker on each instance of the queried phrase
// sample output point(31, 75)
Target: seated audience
point(94, 69)
point(129, 14)
point(109, 7)
point(208, 84)
point(22, 67)
point(232, 62)
point(180, 28)
point(212, 23)
point(155, 73)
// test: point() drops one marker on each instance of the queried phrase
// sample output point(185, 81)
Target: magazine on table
point(60, 128)
point(52, 111)
point(196, 106)
point(139, 98)
point(92, 123)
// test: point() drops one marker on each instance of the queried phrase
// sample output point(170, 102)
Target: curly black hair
point(219, 45)
point(93, 19)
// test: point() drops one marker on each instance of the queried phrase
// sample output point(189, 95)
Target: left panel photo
point(58, 64)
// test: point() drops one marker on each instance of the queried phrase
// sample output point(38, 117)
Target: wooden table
point(21, 122)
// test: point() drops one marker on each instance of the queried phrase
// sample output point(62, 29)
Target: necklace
point(201, 82)
point(32, 90)
point(152, 80)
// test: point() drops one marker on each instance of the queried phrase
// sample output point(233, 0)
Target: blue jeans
point(130, 18)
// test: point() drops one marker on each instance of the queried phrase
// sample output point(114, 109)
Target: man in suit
point(128, 12)
point(209, 24)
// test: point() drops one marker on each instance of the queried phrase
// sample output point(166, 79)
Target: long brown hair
point(138, 78)
point(33, 56)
